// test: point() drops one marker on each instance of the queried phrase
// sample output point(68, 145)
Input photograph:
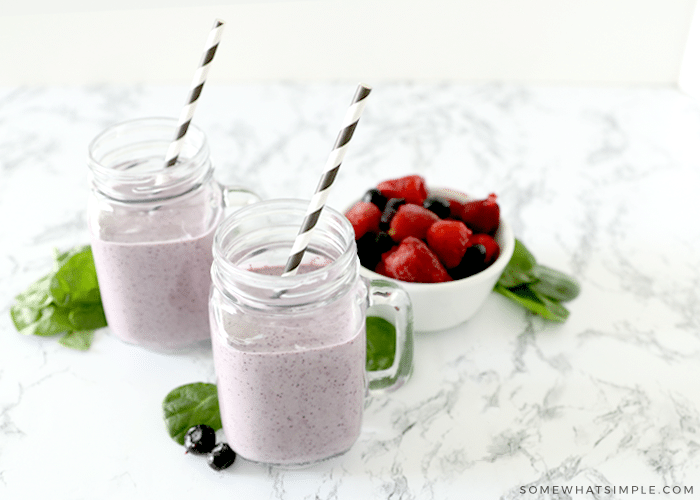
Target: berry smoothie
point(155, 294)
point(153, 263)
point(291, 386)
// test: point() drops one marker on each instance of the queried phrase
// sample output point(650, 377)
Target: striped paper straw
point(313, 212)
point(200, 77)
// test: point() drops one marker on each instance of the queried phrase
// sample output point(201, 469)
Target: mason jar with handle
point(290, 351)
point(151, 230)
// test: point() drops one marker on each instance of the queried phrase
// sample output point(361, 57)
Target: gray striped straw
point(200, 77)
point(313, 212)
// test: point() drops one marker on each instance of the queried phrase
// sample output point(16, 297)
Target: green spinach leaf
point(538, 288)
point(533, 302)
point(75, 282)
point(66, 301)
point(52, 320)
point(79, 340)
point(190, 405)
point(87, 317)
point(518, 269)
point(381, 344)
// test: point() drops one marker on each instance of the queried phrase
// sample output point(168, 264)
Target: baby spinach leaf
point(381, 344)
point(556, 311)
point(554, 284)
point(37, 295)
point(80, 340)
point(75, 282)
point(66, 301)
point(23, 315)
point(87, 317)
point(533, 302)
point(190, 405)
point(538, 288)
point(51, 321)
point(519, 266)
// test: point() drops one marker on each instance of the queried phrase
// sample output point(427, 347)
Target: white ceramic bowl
point(438, 306)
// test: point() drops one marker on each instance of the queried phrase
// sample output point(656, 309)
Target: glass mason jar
point(290, 352)
point(151, 230)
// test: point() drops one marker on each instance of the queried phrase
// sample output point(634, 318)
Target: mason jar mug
point(151, 230)
point(290, 351)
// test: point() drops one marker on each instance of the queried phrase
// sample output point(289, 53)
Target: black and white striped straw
point(313, 212)
point(200, 77)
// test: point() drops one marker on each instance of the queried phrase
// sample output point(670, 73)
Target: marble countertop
point(601, 183)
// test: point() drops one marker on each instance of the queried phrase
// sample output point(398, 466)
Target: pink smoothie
point(293, 392)
point(155, 294)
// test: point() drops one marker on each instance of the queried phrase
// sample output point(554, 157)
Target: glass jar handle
point(391, 302)
point(236, 197)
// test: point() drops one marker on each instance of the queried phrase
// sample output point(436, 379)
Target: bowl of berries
point(445, 248)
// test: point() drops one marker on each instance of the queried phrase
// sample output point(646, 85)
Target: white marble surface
point(601, 183)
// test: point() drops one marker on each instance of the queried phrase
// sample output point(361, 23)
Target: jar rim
point(289, 206)
point(126, 142)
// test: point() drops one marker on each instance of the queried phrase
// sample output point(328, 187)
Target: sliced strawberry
point(411, 220)
point(481, 216)
point(490, 246)
point(413, 261)
point(411, 188)
point(449, 239)
point(364, 217)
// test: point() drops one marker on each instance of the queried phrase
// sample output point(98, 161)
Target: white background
point(159, 41)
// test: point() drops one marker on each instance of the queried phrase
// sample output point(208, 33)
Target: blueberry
point(367, 251)
point(371, 247)
point(375, 196)
point(200, 439)
point(439, 205)
point(389, 211)
point(221, 457)
point(474, 261)
point(384, 242)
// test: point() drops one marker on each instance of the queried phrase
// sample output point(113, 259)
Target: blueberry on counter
point(221, 457)
point(200, 439)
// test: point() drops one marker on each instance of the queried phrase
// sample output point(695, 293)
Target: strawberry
point(456, 208)
point(481, 216)
point(411, 188)
point(491, 248)
point(449, 239)
point(381, 267)
point(413, 261)
point(411, 220)
point(364, 217)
